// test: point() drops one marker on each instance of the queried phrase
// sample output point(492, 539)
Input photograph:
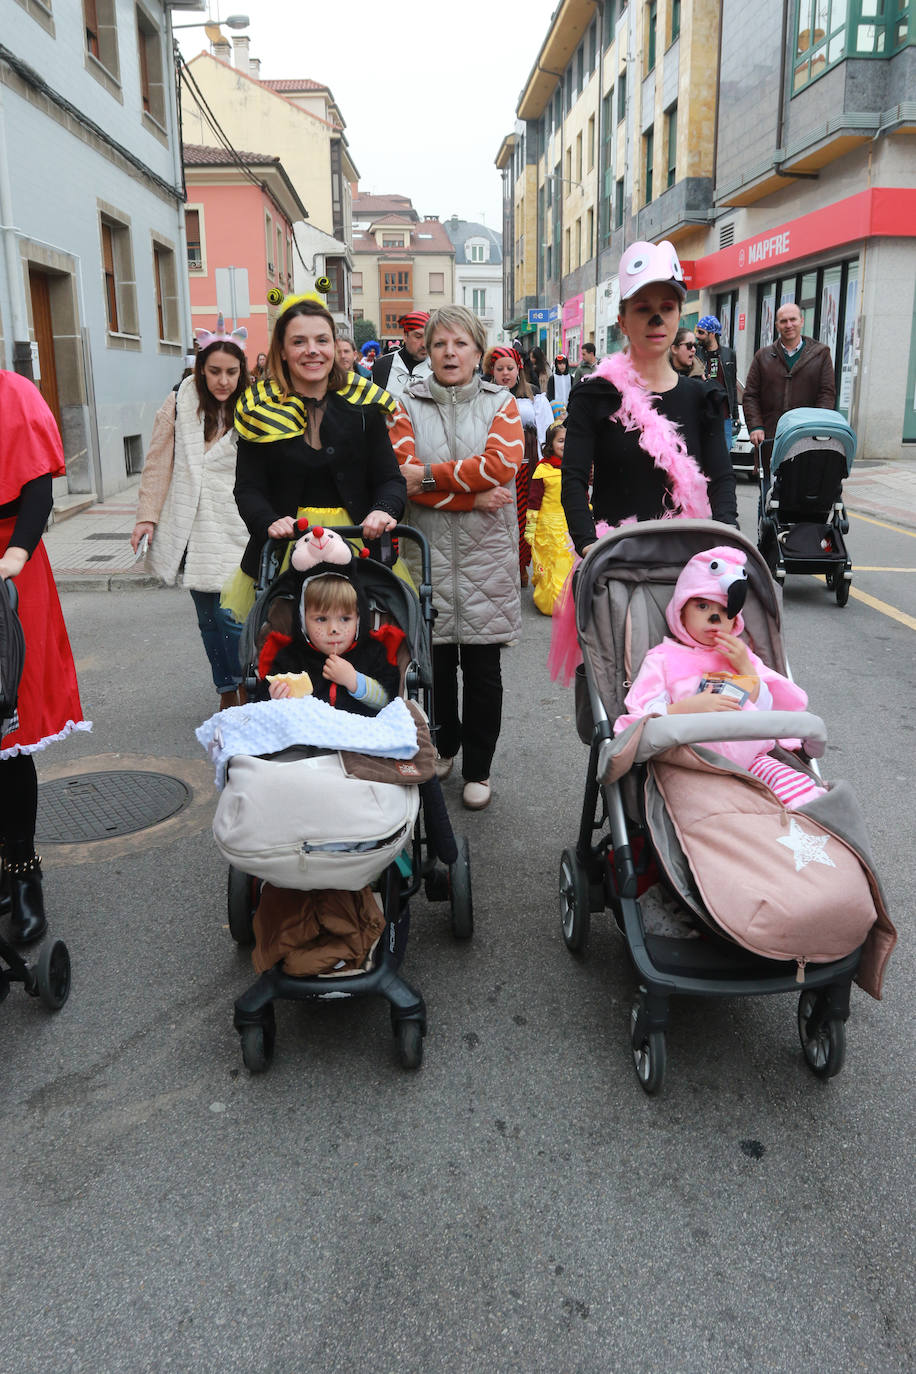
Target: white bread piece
point(300, 684)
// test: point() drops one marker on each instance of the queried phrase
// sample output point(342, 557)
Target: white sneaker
point(476, 795)
point(443, 767)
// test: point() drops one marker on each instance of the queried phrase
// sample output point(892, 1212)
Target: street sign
point(545, 316)
point(232, 293)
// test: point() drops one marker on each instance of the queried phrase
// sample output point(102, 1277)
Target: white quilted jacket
point(199, 514)
point(474, 553)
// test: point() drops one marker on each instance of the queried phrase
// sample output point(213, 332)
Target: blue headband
point(710, 324)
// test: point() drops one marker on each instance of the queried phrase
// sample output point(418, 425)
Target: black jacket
point(626, 482)
point(726, 375)
point(356, 462)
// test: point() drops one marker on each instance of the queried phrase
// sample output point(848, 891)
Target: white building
point(93, 281)
point(478, 272)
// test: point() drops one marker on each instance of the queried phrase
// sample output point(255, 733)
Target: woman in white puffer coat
point(186, 510)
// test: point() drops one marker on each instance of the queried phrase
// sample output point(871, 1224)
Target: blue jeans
point(220, 634)
point(728, 436)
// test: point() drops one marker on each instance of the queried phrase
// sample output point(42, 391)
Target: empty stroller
point(638, 841)
point(802, 516)
point(362, 830)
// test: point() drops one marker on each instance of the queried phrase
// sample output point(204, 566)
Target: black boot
point(28, 922)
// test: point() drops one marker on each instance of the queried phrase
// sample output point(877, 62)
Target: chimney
point(222, 50)
point(240, 44)
point(254, 68)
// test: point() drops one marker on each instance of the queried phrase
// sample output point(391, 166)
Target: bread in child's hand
point(300, 684)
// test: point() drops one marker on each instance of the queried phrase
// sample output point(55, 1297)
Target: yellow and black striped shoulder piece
point(263, 417)
point(362, 391)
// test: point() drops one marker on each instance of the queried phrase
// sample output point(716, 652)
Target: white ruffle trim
point(48, 739)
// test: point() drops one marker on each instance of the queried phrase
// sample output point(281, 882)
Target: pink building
point(242, 217)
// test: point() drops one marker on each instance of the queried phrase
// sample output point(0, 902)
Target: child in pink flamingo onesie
point(704, 616)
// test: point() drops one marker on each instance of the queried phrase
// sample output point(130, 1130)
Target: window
point(479, 301)
point(671, 141)
point(279, 252)
point(356, 281)
point(436, 283)
point(195, 243)
point(476, 252)
point(578, 243)
point(358, 315)
point(393, 241)
point(590, 234)
point(118, 277)
point(593, 46)
point(396, 281)
point(649, 147)
point(569, 87)
point(651, 27)
point(675, 19)
point(578, 157)
point(165, 281)
point(580, 68)
point(102, 36)
point(152, 85)
point(621, 96)
point(390, 325)
point(591, 143)
point(618, 204)
point(829, 30)
point(568, 170)
point(269, 243)
point(568, 257)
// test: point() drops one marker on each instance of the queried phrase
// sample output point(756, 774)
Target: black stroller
point(627, 840)
point(436, 861)
point(49, 977)
point(802, 517)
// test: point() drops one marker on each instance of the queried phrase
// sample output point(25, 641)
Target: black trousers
point(475, 728)
point(18, 806)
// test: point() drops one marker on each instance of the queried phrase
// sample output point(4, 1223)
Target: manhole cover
point(98, 806)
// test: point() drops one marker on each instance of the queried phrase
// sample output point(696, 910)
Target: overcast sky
point(427, 88)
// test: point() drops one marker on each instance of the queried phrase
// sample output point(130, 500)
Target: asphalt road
point(518, 1204)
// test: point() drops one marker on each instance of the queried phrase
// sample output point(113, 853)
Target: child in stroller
point(325, 806)
point(707, 667)
point(768, 899)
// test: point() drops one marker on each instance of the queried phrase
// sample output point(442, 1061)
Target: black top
point(31, 509)
point(355, 468)
point(626, 481)
point(721, 366)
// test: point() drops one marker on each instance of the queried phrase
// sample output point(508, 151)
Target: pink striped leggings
point(791, 787)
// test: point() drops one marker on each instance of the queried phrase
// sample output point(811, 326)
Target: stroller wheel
point(52, 974)
point(830, 579)
point(648, 1047)
point(843, 587)
point(823, 1042)
point(241, 900)
point(459, 880)
point(258, 1042)
point(574, 902)
point(409, 1038)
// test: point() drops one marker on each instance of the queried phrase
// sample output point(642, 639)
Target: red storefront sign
point(742, 320)
point(882, 212)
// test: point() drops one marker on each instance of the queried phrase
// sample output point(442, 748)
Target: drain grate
point(99, 806)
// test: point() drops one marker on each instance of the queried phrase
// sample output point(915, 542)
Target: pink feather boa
point(662, 440)
point(658, 436)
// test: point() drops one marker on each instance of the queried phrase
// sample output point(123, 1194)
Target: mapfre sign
point(883, 211)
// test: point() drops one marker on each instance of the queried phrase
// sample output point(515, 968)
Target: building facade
point(478, 272)
point(238, 219)
point(298, 121)
point(400, 262)
point(94, 290)
point(774, 145)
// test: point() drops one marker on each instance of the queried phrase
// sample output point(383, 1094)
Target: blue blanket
point(266, 727)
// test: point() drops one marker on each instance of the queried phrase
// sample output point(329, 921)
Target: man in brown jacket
point(794, 372)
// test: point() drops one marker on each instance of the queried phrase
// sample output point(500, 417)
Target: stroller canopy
point(806, 428)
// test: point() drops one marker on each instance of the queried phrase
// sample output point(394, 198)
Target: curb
point(100, 582)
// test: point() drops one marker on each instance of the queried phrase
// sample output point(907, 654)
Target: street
point(518, 1204)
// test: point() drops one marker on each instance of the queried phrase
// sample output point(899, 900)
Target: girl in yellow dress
point(545, 527)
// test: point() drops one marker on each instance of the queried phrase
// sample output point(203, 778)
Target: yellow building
point(614, 141)
point(297, 120)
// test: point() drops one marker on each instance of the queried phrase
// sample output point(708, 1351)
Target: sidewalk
point(90, 551)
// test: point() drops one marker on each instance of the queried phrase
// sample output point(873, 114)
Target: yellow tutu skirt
point(238, 594)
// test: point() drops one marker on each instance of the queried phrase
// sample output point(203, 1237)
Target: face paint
point(655, 321)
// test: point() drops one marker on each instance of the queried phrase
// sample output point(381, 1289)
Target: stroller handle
point(271, 556)
point(665, 732)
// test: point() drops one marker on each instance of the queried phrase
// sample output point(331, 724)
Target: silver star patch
point(806, 849)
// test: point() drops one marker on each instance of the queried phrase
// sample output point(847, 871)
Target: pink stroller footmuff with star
point(716, 816)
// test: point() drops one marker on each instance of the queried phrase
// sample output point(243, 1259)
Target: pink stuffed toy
point(319, 545)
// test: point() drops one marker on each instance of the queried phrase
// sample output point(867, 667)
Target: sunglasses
point(692, 347)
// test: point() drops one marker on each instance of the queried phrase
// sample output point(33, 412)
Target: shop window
point(828, 300)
